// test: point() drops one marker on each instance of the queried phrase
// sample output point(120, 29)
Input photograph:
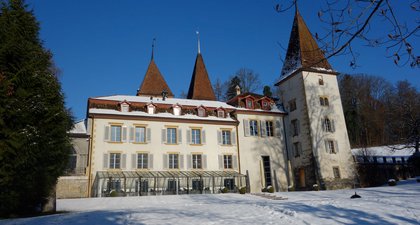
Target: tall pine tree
point(34, 122)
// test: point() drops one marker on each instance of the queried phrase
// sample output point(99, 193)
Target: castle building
point(153, 143)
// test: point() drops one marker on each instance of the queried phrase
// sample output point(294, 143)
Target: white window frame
point(115, 160)
point(196, 136)
point(171, 135)
point(197, 161)
point(226, 137)
point(227, 161)
point(269, 128)
point(116, 133)
point(142, 160)
point(253, 128)
point(140, 137)
point(173, 161)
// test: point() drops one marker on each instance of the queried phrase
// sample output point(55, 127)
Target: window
point(295, 127)
point(173, 161)
point(292, 105)
point(197, 184)
point(269, 128)
point(249, 104)
point(139, 134)
point(227, 162)
point(336, 172)
point(201, 112)
point(229, 183)
point(195, 136)
point(115, 133)
point(320, 80)
point(331, 147)
point(171, 185)
point(226, 137)
point(196, 161)
point(115, 161)
point(253, 128)
point(125, 107)
point(328, 125)
point(220, 114)
point(297, 149)
point(142, 161)
point(323, 101)
point(171, 136)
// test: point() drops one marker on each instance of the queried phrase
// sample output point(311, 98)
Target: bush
point(224, 190)
point(392, 182)
point(270, 189)
point(315, 187)
point(264, 190)
point(242, 190)
point(113, 194)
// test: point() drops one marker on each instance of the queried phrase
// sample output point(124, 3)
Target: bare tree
point(250, 81)
point(219, 90)
point(351, 21)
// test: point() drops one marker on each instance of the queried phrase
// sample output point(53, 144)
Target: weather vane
point(198, 41)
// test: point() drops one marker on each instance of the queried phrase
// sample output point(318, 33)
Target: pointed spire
point(303, 51)
point(198, 41)
point(200, 86)
point(153, 47)
point(153, 83)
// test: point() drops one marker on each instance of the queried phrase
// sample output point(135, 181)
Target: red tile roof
point(153, 83)
point(200, 86)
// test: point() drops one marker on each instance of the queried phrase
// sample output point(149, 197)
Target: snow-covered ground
point(384, 205)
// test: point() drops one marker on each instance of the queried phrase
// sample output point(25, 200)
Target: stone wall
point(72, 187)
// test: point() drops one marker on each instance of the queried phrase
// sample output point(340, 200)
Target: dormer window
point(151, 109)
point(177, 110)
point(221, 114)
point(125, 107)
point(201, 112)
point(265, 105)
point(249, 104)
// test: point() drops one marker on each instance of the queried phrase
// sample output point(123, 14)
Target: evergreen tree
point(267, 91)
point(34, 122)
point(231, 90)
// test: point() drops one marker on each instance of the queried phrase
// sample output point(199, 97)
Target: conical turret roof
point(153, 82)
point(303, 51)
point(200, 86)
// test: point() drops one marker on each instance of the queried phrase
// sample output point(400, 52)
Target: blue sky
point(104, 47)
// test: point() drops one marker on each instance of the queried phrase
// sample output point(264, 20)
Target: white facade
point(319, 146)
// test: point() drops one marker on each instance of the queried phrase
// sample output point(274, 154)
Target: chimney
point(238, 90)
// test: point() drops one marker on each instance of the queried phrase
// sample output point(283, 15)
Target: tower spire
point(153, 47)
point(198, 41)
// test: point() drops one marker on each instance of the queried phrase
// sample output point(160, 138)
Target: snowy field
point(384, 205)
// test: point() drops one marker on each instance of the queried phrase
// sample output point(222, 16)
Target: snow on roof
point(79, 128)
point(171, 101)
point(158, 115)
point(383, 151)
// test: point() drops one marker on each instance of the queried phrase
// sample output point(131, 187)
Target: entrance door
point(302, 182)
point(267, 171)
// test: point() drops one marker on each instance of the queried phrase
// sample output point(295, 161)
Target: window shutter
point(324, 127)
point(124, 134)
point(181, 161)
point(123, 160)
point(131, 134)
point(150, 161)
point(189, 136)
point(189, 161)
point(179, 138)
point(300, 148)
point(336, 146)
point(233, 138)
point(165, 161)
point(235, 162)
point(221, 162)
point(263, 128)
point(148, 135)
point(106, 161)
point(106, 134)
point(204, 161)
point(219, 137)
point(246, 128)
point(277, 129)
point(164, 136)
point(332, 126)
point(134, 161)
point(291, 129)
point(298, 126)
point(203, 136)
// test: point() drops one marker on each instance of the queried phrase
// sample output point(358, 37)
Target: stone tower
point(319, 148)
